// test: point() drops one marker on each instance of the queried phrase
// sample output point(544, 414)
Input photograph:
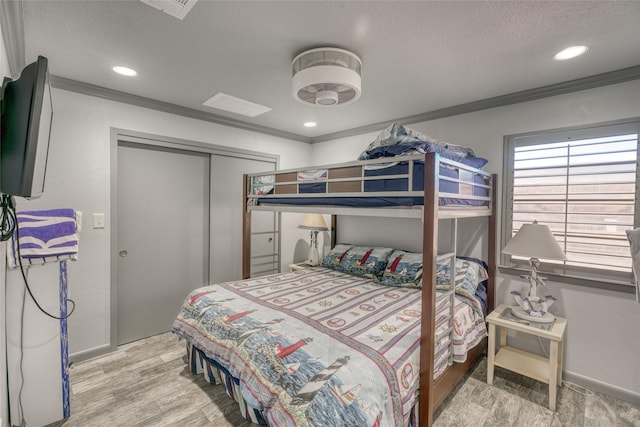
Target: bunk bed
point(426, 186)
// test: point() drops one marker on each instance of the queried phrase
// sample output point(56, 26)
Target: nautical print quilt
point(315, 347)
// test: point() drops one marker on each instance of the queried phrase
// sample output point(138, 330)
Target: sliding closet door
point(163, 229)
point(226, 221)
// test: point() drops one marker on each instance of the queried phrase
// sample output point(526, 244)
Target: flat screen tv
point(27, 112)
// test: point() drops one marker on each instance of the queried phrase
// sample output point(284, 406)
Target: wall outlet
point(98, 220)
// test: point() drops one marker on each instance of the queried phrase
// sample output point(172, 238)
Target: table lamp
point(313, 223)
point(534, 241)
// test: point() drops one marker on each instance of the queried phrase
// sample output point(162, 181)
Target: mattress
point(318, 347)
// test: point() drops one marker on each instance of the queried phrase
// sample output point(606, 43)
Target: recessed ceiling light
point(310, 124)
point(125, 71)
point(570, 52)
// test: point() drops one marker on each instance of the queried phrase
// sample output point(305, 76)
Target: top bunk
point(391, 186)
point(399, 174)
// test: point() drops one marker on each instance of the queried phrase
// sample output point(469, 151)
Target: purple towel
point(46, 236)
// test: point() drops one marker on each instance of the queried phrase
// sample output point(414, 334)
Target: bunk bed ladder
point(266, 259)
point(452, 283)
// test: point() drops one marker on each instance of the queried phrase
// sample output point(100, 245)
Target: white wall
point(78, 176)
point(602, 338)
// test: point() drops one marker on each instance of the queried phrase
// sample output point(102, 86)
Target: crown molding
point(598, 80)
point(140, 101)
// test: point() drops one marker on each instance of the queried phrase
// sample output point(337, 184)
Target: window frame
point(593, 277)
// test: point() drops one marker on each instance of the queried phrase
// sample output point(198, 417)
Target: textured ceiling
point(418, 56)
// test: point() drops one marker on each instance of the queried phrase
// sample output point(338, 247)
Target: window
point(583, 184)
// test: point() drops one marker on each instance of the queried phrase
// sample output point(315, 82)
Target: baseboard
point(90, 353)
point(602, 387)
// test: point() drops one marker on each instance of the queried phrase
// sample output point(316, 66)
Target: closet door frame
point(124, 135)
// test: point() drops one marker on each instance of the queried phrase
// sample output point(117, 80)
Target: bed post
point(429, 260)
point(246, 230)
point(334, 232)
point(491, 257)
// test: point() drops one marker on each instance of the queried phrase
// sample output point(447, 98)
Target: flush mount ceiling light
point(570, 52)
point(125, 71)
point(326, 77)
point(310, 124)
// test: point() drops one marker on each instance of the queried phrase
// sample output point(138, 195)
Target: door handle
point(123, 253)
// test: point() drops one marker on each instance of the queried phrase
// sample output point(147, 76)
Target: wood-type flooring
point(147, 383)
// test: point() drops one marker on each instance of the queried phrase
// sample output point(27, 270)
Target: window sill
point(599, 283)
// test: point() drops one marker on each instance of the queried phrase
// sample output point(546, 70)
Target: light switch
point(98, 220)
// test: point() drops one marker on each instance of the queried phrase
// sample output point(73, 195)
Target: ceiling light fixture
point(570, 52)
point(125, 71)
point(310, 124)
point(326, 77)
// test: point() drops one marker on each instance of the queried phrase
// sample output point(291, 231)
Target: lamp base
point(519, 312)
point(314, 255)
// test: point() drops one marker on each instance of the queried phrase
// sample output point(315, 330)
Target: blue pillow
point(474, 162)
point(468, 276)
point(459, 149)
point(334, 258)
point(365, 261)
point(403, 269)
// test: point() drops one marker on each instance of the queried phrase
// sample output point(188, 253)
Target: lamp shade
point(313, 222)
point(534, 241)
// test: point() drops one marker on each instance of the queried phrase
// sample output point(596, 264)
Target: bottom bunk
point(320, 347)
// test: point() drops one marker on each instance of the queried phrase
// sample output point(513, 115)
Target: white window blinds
point(582, 184)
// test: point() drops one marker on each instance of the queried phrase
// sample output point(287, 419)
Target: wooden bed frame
point(341, 182)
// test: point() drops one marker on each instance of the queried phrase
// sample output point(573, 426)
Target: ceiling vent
point(177, 8)
point(326, 77)
point(236, 105)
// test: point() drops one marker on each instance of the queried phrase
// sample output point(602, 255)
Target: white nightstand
point(298, 266)
point(531, 365)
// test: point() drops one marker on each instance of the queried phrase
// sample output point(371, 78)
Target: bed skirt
point(199, 363)
point(214, 373)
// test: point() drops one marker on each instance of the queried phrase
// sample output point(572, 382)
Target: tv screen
point(27, 112)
